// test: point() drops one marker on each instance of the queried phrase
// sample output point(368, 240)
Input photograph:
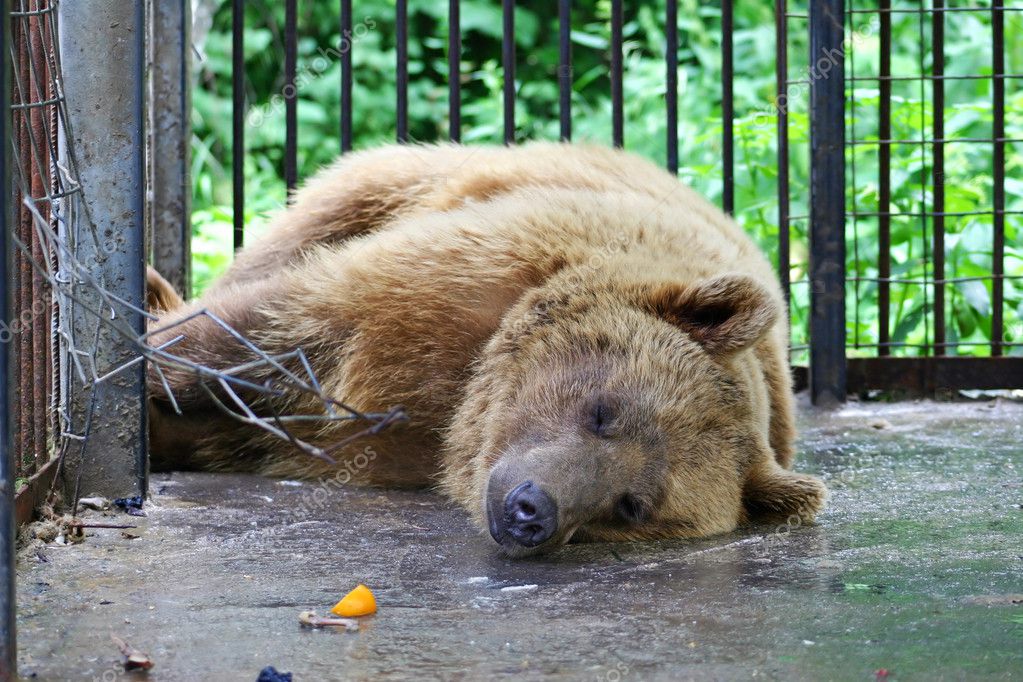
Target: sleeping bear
point(586, 349)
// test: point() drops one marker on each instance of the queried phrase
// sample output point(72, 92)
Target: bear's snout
point(526, 516)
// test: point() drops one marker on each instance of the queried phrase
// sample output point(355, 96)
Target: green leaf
point(976, 294)
point(907, 324)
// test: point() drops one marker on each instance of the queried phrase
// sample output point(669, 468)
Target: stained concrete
point(910, 572)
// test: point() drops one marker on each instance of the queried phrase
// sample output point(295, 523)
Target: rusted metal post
point(827, 203)
point(170, 111)
point(103, 59)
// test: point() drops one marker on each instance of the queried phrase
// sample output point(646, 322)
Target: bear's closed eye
point(631, 509)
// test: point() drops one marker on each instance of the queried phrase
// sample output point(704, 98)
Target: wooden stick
point(84, 524)
point(310, 619)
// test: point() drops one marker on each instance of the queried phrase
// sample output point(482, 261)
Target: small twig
point(397, 414)
point(310, 619)
point(83, 524)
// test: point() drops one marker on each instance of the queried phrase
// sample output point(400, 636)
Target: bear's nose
point(530, 515)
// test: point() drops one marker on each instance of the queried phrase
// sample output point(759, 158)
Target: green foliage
point(968, 179)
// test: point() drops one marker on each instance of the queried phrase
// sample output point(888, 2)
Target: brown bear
point(586, 349)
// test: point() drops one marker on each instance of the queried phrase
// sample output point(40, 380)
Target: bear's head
point(605, 410)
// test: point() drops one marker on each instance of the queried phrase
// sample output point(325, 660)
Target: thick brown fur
point(496, 293)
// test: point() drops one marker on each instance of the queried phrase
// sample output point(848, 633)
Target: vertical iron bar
point(25, 444)
point(32, 132)
point(346, 46)
point(454, 72)
point(998, 219)
point(781, 104)
point(938, 170)
point(827, 203)
point(171, 137)
point(565, 68)
point(102, 45)
point(852, 182)
point(884, 183)
point(727, 108)
point(8, 602)
point(617, 114)
point(238, 120)
point(671, 81)
point(401, 68)
point(924, 215)
point(58, 184)
point(290, 95)
point(40, 183)
point(508, 64)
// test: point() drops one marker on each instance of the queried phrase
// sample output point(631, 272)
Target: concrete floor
point(916, 569)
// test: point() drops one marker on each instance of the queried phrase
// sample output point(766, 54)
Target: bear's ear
point(773, 494)
point(724, 314)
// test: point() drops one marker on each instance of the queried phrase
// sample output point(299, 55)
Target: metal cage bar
point(43, 118)
point(884, 182)
point(998, 163)
point(401, 69)
point(617, 105)
point(910, 10)
point(671, 82)
point(565, 69)
point(508, 66)
point(727, 109)
point(346, 46)
point(827, 203)
point(32, 111)
point(781, 104)
point(290, 95)
point(938, 173)
point(454, 72)
point(933, 375)
point(8, 602)
point(238, 121)
point(170, 111)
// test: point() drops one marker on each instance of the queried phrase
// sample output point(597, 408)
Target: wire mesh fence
point(934, 264)
point(30, 333)
point(940, 281)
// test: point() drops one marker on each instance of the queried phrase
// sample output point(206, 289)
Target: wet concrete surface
point(915, 571)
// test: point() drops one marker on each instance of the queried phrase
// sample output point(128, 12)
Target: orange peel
point(358, 602)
